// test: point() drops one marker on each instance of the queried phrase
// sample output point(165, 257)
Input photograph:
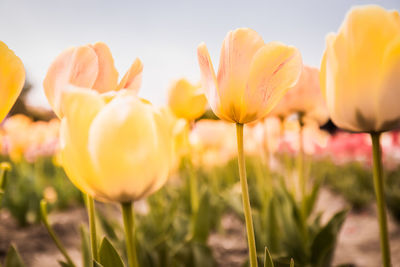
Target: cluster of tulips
point(117, 147)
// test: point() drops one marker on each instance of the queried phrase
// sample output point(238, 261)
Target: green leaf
point(268, 259)
point(97, 264)
point(312, 197)
point(85, 247)
point(324, 243)
point(13, 259)
point(291, 262)
point(64, 264)
point(109, 257)
point(203, 219)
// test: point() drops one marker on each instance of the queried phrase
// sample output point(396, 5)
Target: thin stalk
point(245, 197)
point(43, 212)
point(380, 198)
point(92, 227)
point(127, 214)
point(300, 166)
point(4, 169)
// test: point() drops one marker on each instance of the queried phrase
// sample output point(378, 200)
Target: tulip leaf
point(109, 257)
point(13, 259)
point(268, 262)
point(312, 197)
point(97, 264)
point(203, 219)
point(64, 264)
point(85, 247)
point(324, 243)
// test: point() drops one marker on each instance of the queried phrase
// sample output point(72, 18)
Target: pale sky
point(163, 34)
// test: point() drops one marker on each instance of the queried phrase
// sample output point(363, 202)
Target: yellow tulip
point(12, 78)
point(360, 70)
point(252, 77)
point(89, 67)
point(186, 100)
point(117, 149)
point(305, 98)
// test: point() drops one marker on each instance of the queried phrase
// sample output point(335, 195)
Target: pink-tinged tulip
point(305, 98)
point(12, 78)
point(90, 67)
point(252, 76)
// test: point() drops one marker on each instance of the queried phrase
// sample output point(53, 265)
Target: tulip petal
point(107, 77)
point(359, 49)
point(12, 78)
point(388, 106)
point(77, 66)
point(80, 107)
point(124, 145)
point(237, 53)
point(209, 82)
point(274, 69)
point(133, 77)
point(186, 100)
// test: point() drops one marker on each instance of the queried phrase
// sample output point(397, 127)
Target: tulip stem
point(92, 227)
point(380, 199)
point(127, 213)
point(300, 167)
point(245, 197)
point(43, 213)
point(4, 168)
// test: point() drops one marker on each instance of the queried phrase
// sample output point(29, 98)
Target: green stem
point(194, 195)
point(43, 212)
point(4, 169)
point(127, 214)
point(300, 167)
point(380, 199)
point(245, 197)
point(92, 226)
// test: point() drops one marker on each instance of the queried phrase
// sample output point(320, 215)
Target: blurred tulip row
point(116, 147)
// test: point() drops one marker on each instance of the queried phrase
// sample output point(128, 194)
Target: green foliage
point(109, 257)
point(13, 259)
point(283, 224)
point(26, 183)
point(352, 180)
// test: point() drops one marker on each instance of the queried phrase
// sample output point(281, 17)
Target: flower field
point(265, 161)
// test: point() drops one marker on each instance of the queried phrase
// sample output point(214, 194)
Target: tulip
point(12, 78)
point(117, 150)
point(186, 100)
point(105, 154)
point(90, 67)
point(252, 78)
point(360, 71)
point(114, 146)
point(360, 78)
point(304, 98)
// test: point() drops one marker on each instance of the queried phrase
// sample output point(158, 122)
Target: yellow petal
point(209, 82)
point(127, 150)
point(12, 78)
point(275, 69)
point(237, 53)
point(107, 77)
point(80, 107)
point(77, 66)
point(388, 106)
point(132, 80)
point(358, 50)
point(186, 100)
